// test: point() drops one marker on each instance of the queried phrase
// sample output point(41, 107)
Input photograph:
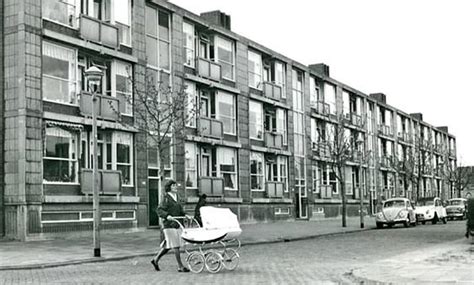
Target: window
point(282, 162)
point(123, 87)
point(59, 156)
point(189, 44)
point(225, 56)
point(314, 133)
point(280, 77)
point(59, 74)
point(60, 11)
point(228, 167)
point(157, 39)
point(255, 69)
point(333, 181)
point(122, 18)
point(191, 104)
point(154, 163)
point(190, 164)
point(226, 112)
point(316, 178)
point(256, 120)
point(281, 124)
point(300, 171)
point(299, 133)
point(346, 102)
point(256, 171)
point(313, 90)
point(330, 97)
point(123, 156)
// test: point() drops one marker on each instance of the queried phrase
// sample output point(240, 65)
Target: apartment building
point(257, 143)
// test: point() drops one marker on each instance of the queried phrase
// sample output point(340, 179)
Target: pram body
point(219, 227)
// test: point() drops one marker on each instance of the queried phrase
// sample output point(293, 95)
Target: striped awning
point(65, 125)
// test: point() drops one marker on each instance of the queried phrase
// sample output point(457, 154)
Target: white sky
point(419, 53)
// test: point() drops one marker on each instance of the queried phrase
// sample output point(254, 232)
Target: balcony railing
point(211, 186)
point(106, 108)
point(321, 107)
point(404, 137)
point(326, 191)
point(208, 69)
point(59, 11)
point(272, 91)
point(274, 189)
point(322, 149)
point(110, 181)
point(95, 30)
point(273, 140)
point(385, 130)
point(353, 119)
point(386, 161)
point(357, 156)
point(209, 127)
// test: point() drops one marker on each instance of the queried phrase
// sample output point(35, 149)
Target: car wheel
point(406, 223)
point(379, 225)
point(444, 220)
point(435, 220)
point(423, 222)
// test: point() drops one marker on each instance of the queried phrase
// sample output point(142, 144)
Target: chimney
point(217, 18)
point(443, 129)
point(417, 116)
point(380, 97)
point(320, 68)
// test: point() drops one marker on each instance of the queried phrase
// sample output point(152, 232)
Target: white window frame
point(282, 126)
point(259, 158)
point(191, 104)
point(232, 117)
point(123, 69)
point(257, 73)
point(191, 157)
point(254, 123)
point(71, 81)
point(330, 97)
point(117, 138)
point(189, 37)
point(220, 158)
point(222, 42)
point(74, 138)
point(72, 11)
point(282, 161)
point(159, 39)
point(282, 84)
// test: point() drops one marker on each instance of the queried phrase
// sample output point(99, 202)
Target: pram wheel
point(195, 262)
point(230, 258)
point(213, 261)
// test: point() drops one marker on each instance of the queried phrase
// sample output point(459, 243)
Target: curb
point(117, 258)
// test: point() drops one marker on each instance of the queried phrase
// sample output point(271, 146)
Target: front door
point(153, 198)
point(302, 203)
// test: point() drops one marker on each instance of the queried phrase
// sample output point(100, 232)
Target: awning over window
point(65, 125)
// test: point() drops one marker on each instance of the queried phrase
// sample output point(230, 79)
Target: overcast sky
point(420, 53)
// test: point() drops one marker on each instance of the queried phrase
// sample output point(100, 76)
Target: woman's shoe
point(157, 268)
point(184, 269)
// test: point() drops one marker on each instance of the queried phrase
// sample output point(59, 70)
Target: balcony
point(357, 156)
point(97, 31)
point(386, 161)
point(209, 127)
point(385, 130)
point(452, 152)
point(272, 91)
point(353, 119)
point(321, 107)
point(322, 149)
point(404, 137)
point(59, 11)
point(208, 69)
point(274, 189)
point(326, 191)
point(110, 181)
point(211, 186)
point(273, 140)
point(107, 107)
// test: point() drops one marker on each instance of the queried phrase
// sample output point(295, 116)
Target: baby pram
point(216, 241)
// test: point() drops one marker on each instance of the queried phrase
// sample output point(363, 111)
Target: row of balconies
point(214, 187)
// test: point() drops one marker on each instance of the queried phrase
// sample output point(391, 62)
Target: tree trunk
point(344, 205)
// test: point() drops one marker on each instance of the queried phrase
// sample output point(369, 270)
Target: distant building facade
point(255, 145)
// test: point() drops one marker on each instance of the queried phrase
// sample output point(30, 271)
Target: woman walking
point(170, 207)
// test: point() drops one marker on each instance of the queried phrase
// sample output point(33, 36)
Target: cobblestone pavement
point(326, 259)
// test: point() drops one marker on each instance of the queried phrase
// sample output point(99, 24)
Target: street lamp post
point(94, 78)
point(360, 142)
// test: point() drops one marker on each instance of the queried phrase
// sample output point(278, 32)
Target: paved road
point(324, 259)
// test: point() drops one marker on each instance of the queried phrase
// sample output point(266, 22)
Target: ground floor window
point(227, 158)
point(60, 162)
point(256, 171)
point(190, 156)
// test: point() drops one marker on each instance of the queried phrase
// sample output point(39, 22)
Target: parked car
point(396, 211)
point(430, 209)
point(457, 208)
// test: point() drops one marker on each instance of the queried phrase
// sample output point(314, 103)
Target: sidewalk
point(114, 246)
point(451, 262)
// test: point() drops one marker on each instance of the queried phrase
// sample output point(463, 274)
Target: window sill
point(61, 103)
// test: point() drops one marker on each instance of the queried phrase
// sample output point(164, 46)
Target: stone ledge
point(88, 199)
point(272, 201)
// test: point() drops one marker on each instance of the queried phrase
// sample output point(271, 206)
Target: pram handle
point(177, 218)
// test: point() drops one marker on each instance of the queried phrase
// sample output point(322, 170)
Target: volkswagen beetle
point(396, 211)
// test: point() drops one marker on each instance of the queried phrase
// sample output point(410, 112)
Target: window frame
point(260, 159)
point(254, 123)
point(219, 42)
point(186, 48)
point(256, 58)
point(232, 117)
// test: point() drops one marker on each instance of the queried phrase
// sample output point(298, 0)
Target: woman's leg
point(181, 267)
point(157, 257)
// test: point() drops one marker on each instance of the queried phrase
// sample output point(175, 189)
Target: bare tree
point(161, 113)
point(458, 176)
point(338, 147)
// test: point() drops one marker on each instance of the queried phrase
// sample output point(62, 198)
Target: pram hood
point(214, 218)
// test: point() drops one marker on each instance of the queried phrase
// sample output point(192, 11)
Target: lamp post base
point(361, 225)
point(97, 252)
